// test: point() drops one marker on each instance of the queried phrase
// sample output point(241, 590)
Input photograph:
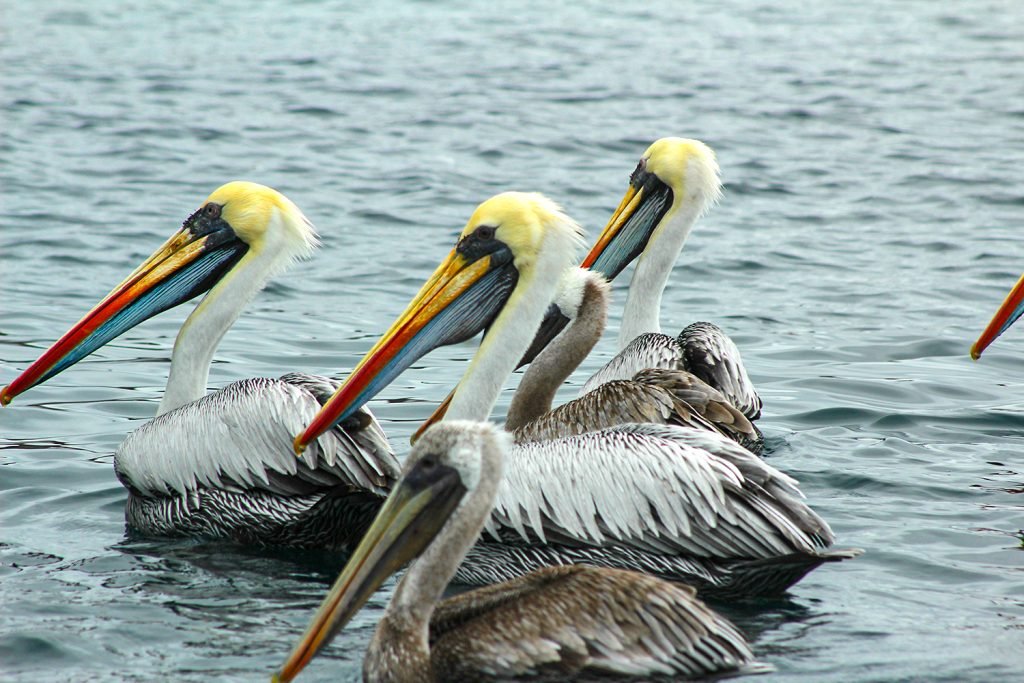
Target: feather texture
point(709, 355)
point(223, 465)
point(652, 396)
point(679, 503)
point(560, 621)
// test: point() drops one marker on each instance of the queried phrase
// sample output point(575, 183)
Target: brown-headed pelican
point(553, 622)
point(1007, 314)
point(654, 395)
point(674, 184)
point(676, 502)
point(221, 465)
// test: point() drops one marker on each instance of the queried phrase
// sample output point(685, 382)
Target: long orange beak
point(435, 416)
point(459, 300)
point(185, 266)
point(1007, 315)
point(622, 240)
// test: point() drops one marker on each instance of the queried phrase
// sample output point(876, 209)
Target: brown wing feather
point(653, 396)
point(565, 620)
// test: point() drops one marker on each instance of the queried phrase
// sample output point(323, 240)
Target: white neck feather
point(642, 312)
point(513, 329)
point(217, 312)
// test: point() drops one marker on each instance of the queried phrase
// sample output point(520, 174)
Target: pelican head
point(242, 226)
point(512, 250)
point(1007, 315)
point(454, 466)
point(675, 178)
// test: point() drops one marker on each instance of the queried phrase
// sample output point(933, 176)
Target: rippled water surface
point(873, 156)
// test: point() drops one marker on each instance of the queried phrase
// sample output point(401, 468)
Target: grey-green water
point(873, 155)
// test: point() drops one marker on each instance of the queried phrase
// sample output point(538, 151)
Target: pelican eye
point(212, 210)
point(428, 462)
point(481, 242)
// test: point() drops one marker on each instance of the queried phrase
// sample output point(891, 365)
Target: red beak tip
point(5, 396)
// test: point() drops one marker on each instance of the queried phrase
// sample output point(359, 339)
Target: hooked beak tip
point(975, 353)
point(5, 396)
point(298, 445)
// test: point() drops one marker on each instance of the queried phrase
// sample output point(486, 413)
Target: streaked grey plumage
point(234, 474)
point(557, 621)
point(653, 395)
point(701, 349)
point(679, 503)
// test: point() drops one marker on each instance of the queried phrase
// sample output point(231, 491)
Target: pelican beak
point(410, 518)
point(1006, 316)
point(629, 229)
point(188, 264)
point(553, 323)
point(461, 298)
point(435, 416)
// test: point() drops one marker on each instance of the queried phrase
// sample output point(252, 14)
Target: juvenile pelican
point(655, 395)
point(1009, 312)
point(553, 622)
point(220, 465)
point(676, 502)
point(674, 184)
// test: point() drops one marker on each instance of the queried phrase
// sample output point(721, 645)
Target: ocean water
point(873, 160)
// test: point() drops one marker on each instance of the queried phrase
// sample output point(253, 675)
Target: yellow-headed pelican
point(676, 502)
point(1007, 314)
point(674, 184)
point(553, 622)
point(221, 465)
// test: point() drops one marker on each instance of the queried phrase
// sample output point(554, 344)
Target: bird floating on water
point(675, 182)
point(553, 622)
point(221, 465)
point(673, 185)
point(679, 503)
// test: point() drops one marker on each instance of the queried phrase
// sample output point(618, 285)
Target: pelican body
point(680, 503)
point(220, 465)
point(555, 622)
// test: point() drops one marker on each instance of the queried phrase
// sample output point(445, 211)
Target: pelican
point(557, 621)
point(679, 503)
point(221, 465)
point(674, 184)
point(1007, 315)
point(653, 395)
